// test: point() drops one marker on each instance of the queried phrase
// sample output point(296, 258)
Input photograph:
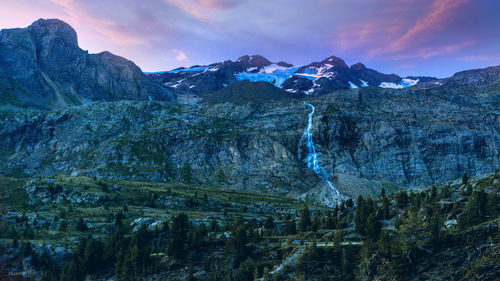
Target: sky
point(406, 37)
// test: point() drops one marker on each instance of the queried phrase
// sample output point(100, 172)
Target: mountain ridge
point(41, 66)
point(312, 79)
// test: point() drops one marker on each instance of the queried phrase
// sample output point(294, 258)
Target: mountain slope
point(366, 138)
point(42, 66)
point(244, 91)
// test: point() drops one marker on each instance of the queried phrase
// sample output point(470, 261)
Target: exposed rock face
point(244, 91)
point(297, 84)
point(368, 138)
point(42, 66)
point(371, 76)
point(253, 61)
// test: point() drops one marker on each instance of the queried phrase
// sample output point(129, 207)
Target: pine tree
point(290, 227)
point(465, 178)
point(372, 227)
point(331, 221)
point(269, 223)
point(349, 203)
point(383, 245)
point(190, 273)
point(385, 208)
point(316, 222)
point(237, 243)
point(434, 226)
point(221, 176)
point(187, 174)
point(401, 199)
point(118, 219)
point(178, 241)
point(338, 238)
point(80, 225)
point(305, 220)
point(359, 217)
point(324, 274)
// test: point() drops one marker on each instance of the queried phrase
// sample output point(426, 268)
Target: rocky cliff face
point(367, 139)
point(42, 66)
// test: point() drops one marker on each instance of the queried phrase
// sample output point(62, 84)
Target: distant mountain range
point(314, 79)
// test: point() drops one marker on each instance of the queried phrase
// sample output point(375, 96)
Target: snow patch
point(197, 68)
point(313, 73)
point(390, 85)
point(408, 82)
point(402, 84)
point(352, 85)
point(213, 68)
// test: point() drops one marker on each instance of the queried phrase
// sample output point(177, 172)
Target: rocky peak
point(335, 61)
point(254, 61)
point(48, 30)
point(284, 64)
point(358, 66)
point(243, 59)
point(476, 76)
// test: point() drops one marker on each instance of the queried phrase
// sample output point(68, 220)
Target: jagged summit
point(358, 66)
point(335, 61)
point(254, 61)
point(284, 64)
point(54, 29)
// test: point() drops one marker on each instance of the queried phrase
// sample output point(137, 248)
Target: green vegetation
point(142, 230)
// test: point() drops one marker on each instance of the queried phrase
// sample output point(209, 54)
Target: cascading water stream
point(312, 157)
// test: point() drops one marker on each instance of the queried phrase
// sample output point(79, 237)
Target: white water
point(313, 161)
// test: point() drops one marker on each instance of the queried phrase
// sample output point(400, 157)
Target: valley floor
point(73, 228)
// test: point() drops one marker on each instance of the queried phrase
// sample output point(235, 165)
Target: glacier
point(273, 74)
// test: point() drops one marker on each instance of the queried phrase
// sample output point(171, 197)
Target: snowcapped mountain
point(316, 78)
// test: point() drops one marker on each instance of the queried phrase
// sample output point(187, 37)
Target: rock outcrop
point(41, 66)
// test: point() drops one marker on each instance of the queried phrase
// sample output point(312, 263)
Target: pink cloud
point(429, 52)
point(181, 56)
point(105, 26)
point(398, 32)
point(202, 10)
point(427, 25)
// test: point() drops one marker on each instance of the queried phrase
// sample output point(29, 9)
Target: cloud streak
point(428, 24)
point(180, 55)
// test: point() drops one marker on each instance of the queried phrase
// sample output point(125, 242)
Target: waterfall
point(312, 158)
